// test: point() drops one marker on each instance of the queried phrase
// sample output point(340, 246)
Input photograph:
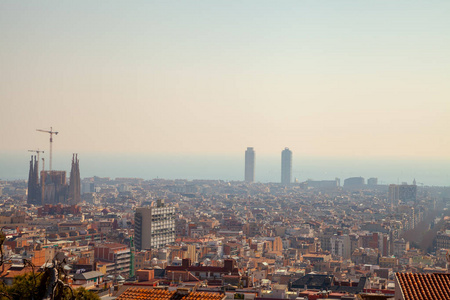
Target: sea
point(426, 172)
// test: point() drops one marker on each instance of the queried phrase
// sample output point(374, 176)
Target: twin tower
point(286, 165)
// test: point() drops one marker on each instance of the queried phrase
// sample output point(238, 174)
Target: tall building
point(75, 182)
point(286, 166)
point(154, 226)
point(403, 192)
point(250, 165)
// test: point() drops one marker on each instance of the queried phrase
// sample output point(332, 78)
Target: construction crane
point(37, 152)
point(51, 132)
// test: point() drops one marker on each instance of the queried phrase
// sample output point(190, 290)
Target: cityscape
point(224, 150)
point(128, 237)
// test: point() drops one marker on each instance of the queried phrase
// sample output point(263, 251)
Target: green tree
point(26, 287)
point(32, 287)
point(83, 294)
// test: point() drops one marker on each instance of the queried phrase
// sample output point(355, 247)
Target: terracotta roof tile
point(145, 294)
point(424, 286)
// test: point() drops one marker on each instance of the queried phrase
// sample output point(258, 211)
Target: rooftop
point(424, 286)
point(143, 294)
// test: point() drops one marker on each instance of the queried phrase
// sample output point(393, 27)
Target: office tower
point(154, 226)
point(250, 165)
point(286, 166)
point(34, 189)
point(75, 182)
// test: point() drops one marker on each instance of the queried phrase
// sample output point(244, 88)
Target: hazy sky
point(325, 78)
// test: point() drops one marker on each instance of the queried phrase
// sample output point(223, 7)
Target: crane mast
point(51, 132)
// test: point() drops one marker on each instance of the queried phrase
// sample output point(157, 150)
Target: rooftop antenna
point(51, 132)
point(37, 152)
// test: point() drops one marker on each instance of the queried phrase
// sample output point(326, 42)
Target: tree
point(26, 287)
point(83, 294)
point(47, 284)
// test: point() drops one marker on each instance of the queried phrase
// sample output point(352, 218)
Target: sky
point(340, 79)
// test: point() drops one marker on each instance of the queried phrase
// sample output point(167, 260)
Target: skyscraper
point(250, 165)
point(154, 226)
point(286, 166)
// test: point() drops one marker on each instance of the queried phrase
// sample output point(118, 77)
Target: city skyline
point(162, 107)
point(230, 168)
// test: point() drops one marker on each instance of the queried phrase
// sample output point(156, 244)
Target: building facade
point(154, 226)
point(403, 192)
point(117, 258)
point(341, 246)
point(286, 166)
point(250, 165)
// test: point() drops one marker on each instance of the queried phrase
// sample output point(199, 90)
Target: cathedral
point(52, 187)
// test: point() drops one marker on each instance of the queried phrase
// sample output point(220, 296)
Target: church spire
point(75, 182)
point(30, 181)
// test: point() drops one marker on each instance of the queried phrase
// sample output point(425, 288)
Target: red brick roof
point(144, 294)
point(424, 286)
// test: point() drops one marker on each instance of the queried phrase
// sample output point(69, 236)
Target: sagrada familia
point(52, 187)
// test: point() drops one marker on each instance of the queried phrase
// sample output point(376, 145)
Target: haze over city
point(218, 150)
point(331, 79)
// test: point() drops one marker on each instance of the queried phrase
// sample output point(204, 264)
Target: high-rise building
point(250, 165)
point(286, 166)
point(75, 182)
point(154, 226)
point(403, 192)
